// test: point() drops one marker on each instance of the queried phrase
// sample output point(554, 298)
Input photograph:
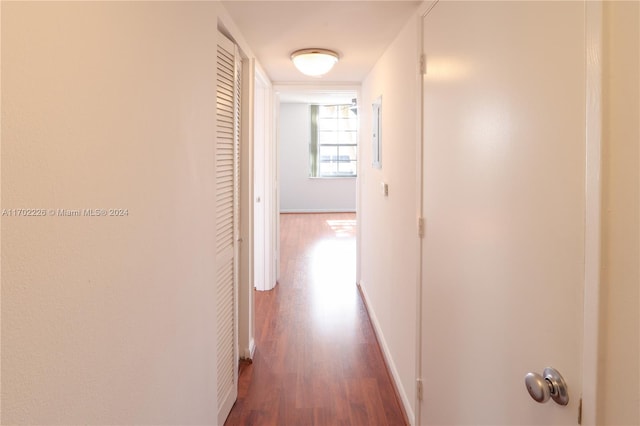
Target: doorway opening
point(318, 134)
point(318, 162)
point(318, 150)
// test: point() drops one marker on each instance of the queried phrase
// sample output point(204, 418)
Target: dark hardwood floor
point(317, 360)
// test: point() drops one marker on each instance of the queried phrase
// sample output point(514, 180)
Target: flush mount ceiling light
point(314, 62)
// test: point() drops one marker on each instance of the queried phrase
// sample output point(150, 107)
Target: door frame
point(280, 88)
point(246, 271)
point(593, 210)
point(264, 119)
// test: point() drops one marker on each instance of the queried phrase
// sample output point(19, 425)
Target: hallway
point(317, 360)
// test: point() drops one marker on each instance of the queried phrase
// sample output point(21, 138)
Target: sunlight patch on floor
point(343, 228)
point(333, 275)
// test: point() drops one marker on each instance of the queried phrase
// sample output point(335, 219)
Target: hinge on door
point(423, 64)
point(419, 389)
point(420, 227)
point(580, 412)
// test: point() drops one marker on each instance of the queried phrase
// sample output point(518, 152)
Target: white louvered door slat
point(227, 214)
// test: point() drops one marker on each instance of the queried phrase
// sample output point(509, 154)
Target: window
point(334, 141)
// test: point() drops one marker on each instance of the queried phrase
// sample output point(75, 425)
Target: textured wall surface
point(108, 320)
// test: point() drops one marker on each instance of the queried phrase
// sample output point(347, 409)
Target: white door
point(227, 217)
point(504, 204)
point(259, 186)
point(266, 211)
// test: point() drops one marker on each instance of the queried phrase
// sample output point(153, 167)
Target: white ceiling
point(359, 31)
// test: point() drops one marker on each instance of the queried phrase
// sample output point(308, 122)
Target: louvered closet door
point(227, 214)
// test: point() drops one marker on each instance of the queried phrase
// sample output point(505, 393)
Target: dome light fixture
point(314, 62)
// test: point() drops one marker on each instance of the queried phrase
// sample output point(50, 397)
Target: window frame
point(315, 146)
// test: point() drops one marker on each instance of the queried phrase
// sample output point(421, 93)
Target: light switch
point(385, 188)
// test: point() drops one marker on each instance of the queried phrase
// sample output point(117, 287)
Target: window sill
point(331, 177)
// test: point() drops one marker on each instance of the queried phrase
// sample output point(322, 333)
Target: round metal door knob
point(538, 387)
point(548, 385)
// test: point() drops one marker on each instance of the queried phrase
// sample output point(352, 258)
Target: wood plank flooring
point(317, 360)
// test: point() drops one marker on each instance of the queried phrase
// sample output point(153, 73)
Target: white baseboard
point(387, 357)
point(252, 348)
point(265, 288)
point(250, 351)
point(317, 210)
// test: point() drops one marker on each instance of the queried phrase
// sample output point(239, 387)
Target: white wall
point(388, 225)
point(298, 192)
point(619, 376)
point(109, 320)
